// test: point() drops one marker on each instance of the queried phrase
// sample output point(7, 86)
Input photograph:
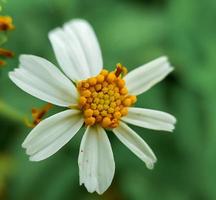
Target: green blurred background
point(131, 32)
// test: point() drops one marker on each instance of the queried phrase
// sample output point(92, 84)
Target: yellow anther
point(127, 102)
point(86, 85)
point(89, 100)
point(82, 101)
point(114, 124)
point(118, 102)
point(92, 81)
point(133, 99)
point(100, 107)
point(100, 95)
point(94, 94)
point(111, 110)
point(92, 89)
point(113, 105)
point(104, 72)
point(117, 108)
point(120, 70)
point(88, 113)
point(117, 115)
point(86, 93)
point(100, 78)
point(106, 102)
point(105, 90)
point(106, 96)
point(105, 84)
point(106, 107)
point(112, 98)
point(110, 77)
point(124, 91)
point(120, 83)
point(87, 105)
point(96, 100)
point(116, 90)
point(111, 87)
point(96, 113)
point(106, 122)
point(124, 111)
point(124, 70)
point(109, 115)
point(116, 95)
point(99, 118)
point(111, 92)
point(104, 113)
point(90, 121)
point(122, 97)
point(93, 106)
point(101, 101)
point(98, 87)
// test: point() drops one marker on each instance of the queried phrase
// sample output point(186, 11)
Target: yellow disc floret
point(104, 98)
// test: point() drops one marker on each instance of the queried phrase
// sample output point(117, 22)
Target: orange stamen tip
point(133, 99)
point(6, 23)
point(86, 93)
point(111, 77)
point(127, 102)
point(2, 63)
point(124, 111)
point(124, 91)
point(106, 122)
point(120, 83)
point(120, 69)
point(38, 114)
point(90, 121)
point(100, 78)
point(6, 53)
point(92, 81)
point(117, 115)
point(88, 112)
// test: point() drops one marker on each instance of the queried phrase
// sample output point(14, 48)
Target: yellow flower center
point(104, 99)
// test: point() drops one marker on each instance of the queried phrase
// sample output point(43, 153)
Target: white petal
point(42, 79)
point(136, 144)
point(96, 162)
point(77, 49)
point(143, 78)
point(151, 119)
point(51, 134)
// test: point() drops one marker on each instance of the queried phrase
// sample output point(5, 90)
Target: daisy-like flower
point(98, 99)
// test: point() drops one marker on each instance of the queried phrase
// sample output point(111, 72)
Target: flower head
point(94, 97)
point(104, 99)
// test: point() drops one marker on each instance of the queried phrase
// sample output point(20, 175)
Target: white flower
point(79, 56)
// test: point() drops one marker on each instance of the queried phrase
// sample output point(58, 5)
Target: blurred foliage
point(131, 32)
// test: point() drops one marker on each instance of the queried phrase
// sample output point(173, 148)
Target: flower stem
point(8, 111)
